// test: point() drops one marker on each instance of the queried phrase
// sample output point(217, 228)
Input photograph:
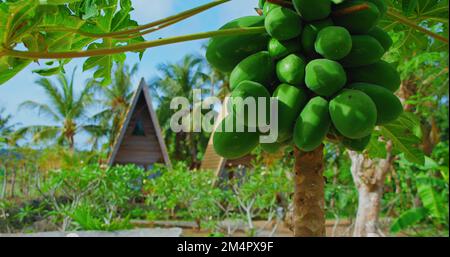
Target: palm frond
point(55, 97)
point(42, 109)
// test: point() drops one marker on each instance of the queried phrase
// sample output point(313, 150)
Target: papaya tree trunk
point(309, 197)
point(369, 176)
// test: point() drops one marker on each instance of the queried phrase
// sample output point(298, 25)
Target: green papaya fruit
point(353, 113)
point(224, 53)
point(365, 50)
point(258, 67)
point(312, 125)
point(325, 77)
point(380, 73)
point(268, 6)
point(382, 37)
point(388, 105)
point(233, 144)
point(381, 5)
point(255, 91)
point(283, 24)
point(261, 3)
point(309, 36)
point(291, 70)
point(280, 49)
point(357, 145)
point(333, 42)
point(357, 22)
point(313, 10)
point(291, 101)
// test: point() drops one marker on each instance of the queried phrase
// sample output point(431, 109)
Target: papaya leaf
point(18, 18)
point(90, 9)
point(432, 201)
point(408, 6)
point(57, 2)
point(49, 72)
point(376, 147)
point(9, 67)
point(54, 16)
point(408, 218)
point(110, 21)
point(431, 15)
point(401, 133)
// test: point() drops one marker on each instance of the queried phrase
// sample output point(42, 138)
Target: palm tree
point(65, 109)
point(116, 100)
point(179, 80)
point(6, 129)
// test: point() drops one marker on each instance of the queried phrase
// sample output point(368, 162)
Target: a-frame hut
point(140, 141)
point(223, 168)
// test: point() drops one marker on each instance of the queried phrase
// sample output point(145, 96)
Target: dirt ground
point(341, 228)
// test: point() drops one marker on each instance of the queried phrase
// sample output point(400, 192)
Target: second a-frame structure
point(140, 140)
point(215, 162)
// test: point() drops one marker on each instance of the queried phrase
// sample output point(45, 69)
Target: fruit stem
point(133, 47)
point(259, 11)
point(391, 13)
point(281, 3)
point(350, 10)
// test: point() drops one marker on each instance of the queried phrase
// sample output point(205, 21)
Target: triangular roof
point(211, 160)
point(146, 147)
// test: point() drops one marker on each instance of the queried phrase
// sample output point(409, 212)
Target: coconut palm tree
point(66, 109)
point(179, 80)
point(115, 100)
point(6, 128)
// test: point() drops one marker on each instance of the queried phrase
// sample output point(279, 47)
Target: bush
point(92, 198)
point(182, 194)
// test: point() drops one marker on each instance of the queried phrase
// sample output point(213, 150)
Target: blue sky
point(23, 87)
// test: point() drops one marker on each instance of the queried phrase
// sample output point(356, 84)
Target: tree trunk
point(369, 177)
point(13, 182)
point(309, 197)
point(5, 183)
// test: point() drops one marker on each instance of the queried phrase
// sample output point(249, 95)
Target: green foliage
point(96, 197)
point(411, 18)
point(193, 195)
point(101, 30)
point(182, 194)
point(401, 133)
point(60, 26)
point(430, 185)
point(408, 218)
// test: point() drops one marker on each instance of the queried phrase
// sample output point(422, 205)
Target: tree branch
point(350, 10)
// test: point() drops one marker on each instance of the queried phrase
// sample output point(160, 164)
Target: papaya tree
point(311, 55)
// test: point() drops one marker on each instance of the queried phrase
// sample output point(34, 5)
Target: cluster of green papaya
point(322, 60)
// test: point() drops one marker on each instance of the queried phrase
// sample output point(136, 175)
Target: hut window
point(139, 128)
